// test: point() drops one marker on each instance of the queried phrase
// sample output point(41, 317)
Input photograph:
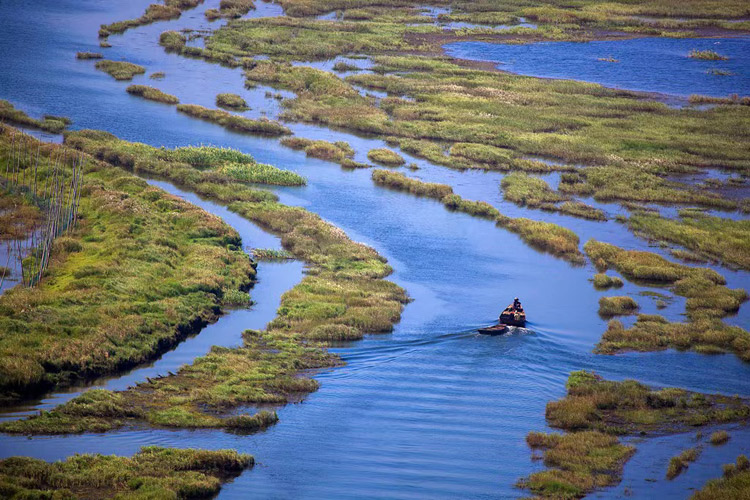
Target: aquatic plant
point(708, 55)
point(267, 254)
point(120, 70)
point(733, 485)
point(230, 9)
point(49, 123)
point(343, 67)
point(545, 236)
point(231, 101)
point(172, 9)
point(88, 55)
point(615, 306)
point(401, 182)
point(719, 437)
point(234, 122)
point(602, 281)
point(261, 173)
point(525, 190)
point(385, 157)
point(339, 152)
point(679, 463)
point(153, 472)
point(157, 75)
point(152, 94)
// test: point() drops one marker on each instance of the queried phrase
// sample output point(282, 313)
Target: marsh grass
point(261, 173)
point(270, 255)
point(719, 437)
point(120, 70)
point(152, 94)
point(89, 55)
point(617, 306)
point(171, 9)
point(231, 101)
point(157, 75)
point(525, 190)
point(235, 122)
point(339, 151)
point(733, 485)
point(230, 9)
point(679, 463)
point(603, 282)
point(49, 123)
point(706, 55)
point(385, 157)
point(546, 237)
point(396, 180)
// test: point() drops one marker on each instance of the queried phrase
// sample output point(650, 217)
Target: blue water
point(645, 64)
point(432, 410)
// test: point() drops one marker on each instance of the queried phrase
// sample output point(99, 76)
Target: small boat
point(513, 315)
point(498, 329)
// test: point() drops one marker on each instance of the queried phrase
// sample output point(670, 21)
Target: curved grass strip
point(231, 101)
point(171, 9)
point(49, 123)
point(153, 472)
point(120, 70)
point(235, 122)
point(152, 94)
point(339, 152)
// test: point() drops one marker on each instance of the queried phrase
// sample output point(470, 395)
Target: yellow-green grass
point(141, 271)
point(602, 281)
point(18, 216)
point(120, 70)
point(617, 306)
point(719, 437)
point(171, 9)
point(734, 485)
point(707, 55)
point(230, 9)
point(679, 463)
point(396, 180)
point(49, 123)
point(714, 238)
point(153, 472)
point(385, 157)
point(525, 190)
point(235, 122)
point(152, 94)
point(339, 151)
point(89, 55)
point(231, 101)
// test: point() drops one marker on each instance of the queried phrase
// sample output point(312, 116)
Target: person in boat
point(517, 305)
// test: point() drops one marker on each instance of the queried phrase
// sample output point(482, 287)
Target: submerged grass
point(153, 472)
point(152, 94)
point(120, 70)
point(142, 270)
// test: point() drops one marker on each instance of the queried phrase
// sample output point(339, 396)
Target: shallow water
point(431, 410)
point(645, 64)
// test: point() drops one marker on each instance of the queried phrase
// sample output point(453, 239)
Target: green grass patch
point(617, 306)
point(719, 437)
point(603, 282)
point(152, 94)
point(706, 55)
point(234, 122)
point(679, 463)
point(231, 101)
point(734, 484)
point(49, 123)
point(385, 157)
point(120, 70)
point(89, 55)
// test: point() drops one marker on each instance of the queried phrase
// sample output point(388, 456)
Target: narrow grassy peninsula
point(153, 472)
point(596, 411)
point(49, 123)
point(235, 122)
point(120, 70)
point(171, 9)
point(152, 94)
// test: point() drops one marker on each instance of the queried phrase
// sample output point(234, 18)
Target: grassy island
point(120, 70)
point(152, 94)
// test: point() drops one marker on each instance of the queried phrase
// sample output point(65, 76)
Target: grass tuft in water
point(231, 101)
point(152, 94)
point(120, 70)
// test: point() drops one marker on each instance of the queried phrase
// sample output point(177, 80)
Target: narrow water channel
point(432, 410)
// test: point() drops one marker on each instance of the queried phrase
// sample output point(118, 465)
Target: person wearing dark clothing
point(517, 305)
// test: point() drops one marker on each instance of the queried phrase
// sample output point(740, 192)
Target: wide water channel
point(432, 410)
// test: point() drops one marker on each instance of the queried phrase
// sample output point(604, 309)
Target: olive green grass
point(385, 157)
point(734, 484)
point(171, 9)
point(596, 411)
point(719, 437)
point(339, 152)
point(603, 281)
point(152, 94)
point(48, 123)
point(141, 271)
point(153, 472)
point(342, 67)
point(231, 101)
point(706, 55)
point(271, 255)
point(679, 463)
point(120, 70)
point(533, 192)
point(89, 55)
point(617, 306)
point(235, 122)
point(157, 75)
point(18, 217)
point(230, 9)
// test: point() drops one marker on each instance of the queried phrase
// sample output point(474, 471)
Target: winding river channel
point(432, 410)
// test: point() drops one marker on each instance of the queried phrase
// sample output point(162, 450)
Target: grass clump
point(153, 472)
point(172, 40)
point(231, 101)
point(49, 123)
point(706, 55)
point(734, 485)
point(602, 281)
point(270, 255)
point(339, 151)
point(342, 67)
point(261, 173)
point(235, 122)
point(120, 70)
point(386, 157)
point(525, 190)
point(152, 94)
point(395, 180)
point(89, 55)
point(18, 217)
point(616, 306)
point(230, 9)
point(679, 463)
point(171, 9)
point(545, 236)
point(141, 271)
point(719, 437)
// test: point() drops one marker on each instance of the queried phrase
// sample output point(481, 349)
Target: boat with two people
point(513, 315)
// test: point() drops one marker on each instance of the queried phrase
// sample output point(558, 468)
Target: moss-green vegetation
point(385, 157)
point(708, 300)
point(525, 190)
point(153, 472)
point(617, 306)
point(120, 70)
point(267, 254)
point(715, 238)
point(234, 122)
point(595, 411)
point(231, 101)
point(602, 281)
point(339, 151)
point(49, 123)
point(679, 463)
point(719, 437)
point(734, 485)
point(545, 236)
point(707, 55)
point(230, 9)
point(172, 9)
point(157, 75)
point(89, 55)
point(261, 173)
point(396, 180)
point(141, 271)
point(152, 93)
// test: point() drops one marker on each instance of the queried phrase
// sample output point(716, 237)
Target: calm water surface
point(432, 410)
